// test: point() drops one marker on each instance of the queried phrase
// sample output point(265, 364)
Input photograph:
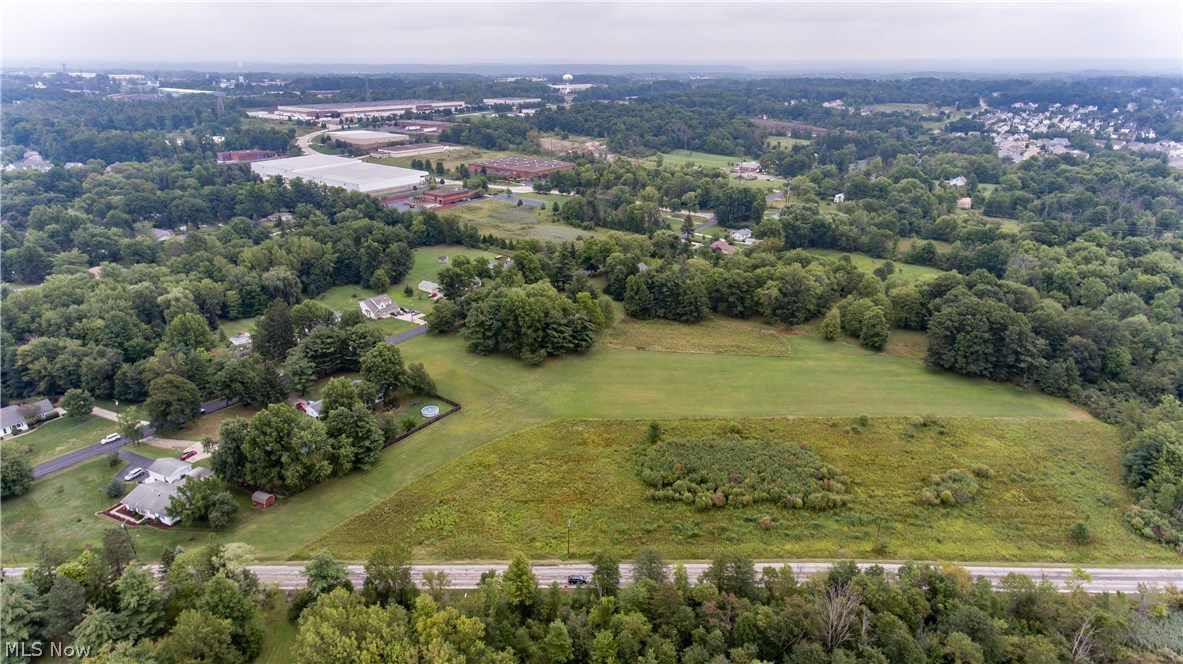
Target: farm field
point(502, 396)
point(904, 272)
point(57, 437)
point(1047, 475)
point(494, 217)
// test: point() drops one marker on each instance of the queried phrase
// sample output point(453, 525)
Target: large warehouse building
point(519, 168)
point(352, 174)
point(366, 139)
point(365, 109)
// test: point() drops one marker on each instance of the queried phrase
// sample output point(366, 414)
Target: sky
point(1092, 34)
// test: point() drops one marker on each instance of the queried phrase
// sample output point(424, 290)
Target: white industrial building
point(364, 138)
point(352, 174)
point(365, 109)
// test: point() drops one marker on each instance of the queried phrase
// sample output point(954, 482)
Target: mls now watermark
point(22, 649)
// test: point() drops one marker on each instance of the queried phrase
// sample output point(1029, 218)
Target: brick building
point(446, 196)
point(244, 156)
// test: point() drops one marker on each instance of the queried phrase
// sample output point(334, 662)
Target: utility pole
point(129, 540)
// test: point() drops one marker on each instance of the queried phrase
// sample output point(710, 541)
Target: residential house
point(160, 234)
point(152, 501)
point(18, 417)
point(722, 247)
point(838, 198)
point(741, 234)
point(377, 307)
point(242, 339)
point(749, 167)
point(168, 470)
point(958, 181)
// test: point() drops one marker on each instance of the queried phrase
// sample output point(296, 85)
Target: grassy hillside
point(502, 396)
point(517, 494)
point(57, 437)
point(512, 222)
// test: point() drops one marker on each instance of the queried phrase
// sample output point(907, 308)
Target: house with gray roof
point(168, 470)
point(151, 500)
point(378, 307)
point(18, 417)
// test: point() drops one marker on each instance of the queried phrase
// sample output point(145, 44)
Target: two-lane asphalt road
point(79, 455)
point(467, 576)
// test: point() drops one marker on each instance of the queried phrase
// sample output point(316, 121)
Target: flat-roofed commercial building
point(364, 138)
point(511, 101)
point(365, 109)
point(519, 168)
point(352, 174)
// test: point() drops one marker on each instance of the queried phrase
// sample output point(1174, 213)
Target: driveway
point(406, 334)
point(133, 461)
point(78, 456)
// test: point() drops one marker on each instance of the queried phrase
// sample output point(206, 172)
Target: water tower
point(567, 78)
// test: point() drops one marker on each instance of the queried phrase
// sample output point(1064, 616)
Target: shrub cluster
point(956, 487)
point(717, 472)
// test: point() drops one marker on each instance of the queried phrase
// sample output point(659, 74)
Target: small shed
point(262, 499)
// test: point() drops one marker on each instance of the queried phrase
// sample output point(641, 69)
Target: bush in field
point(723, 471)
point(955, 487)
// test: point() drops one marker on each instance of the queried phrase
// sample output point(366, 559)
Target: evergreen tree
point(274, 335)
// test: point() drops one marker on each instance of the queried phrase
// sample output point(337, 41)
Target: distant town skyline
point(768, 36)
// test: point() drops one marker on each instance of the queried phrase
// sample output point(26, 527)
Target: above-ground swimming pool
point(430, 411)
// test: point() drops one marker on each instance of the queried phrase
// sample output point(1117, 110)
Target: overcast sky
point(443, 31)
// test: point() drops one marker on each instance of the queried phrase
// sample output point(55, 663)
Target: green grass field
point(904, 272)
point(517, 494)
point(60, 436)
point(717, 334)
point(207, 425)
point(502, 396)
point(706, 159)
point(509, 221)
point(783, 142)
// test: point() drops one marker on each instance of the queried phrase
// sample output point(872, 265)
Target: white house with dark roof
point(151, 500)
point(379, 306)
point(18, 417)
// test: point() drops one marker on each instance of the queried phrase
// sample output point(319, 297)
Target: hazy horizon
point(839, 37)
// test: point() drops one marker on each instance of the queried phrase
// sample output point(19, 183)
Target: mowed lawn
point(502, 396)
point(57, 437)
point(516, 495)
point(513, 222)
point(680, 157)
point(904, 272)
point(427, 268)
point(62, 508)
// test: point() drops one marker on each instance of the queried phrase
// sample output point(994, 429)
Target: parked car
point(188, 455)
point(302, 406)
point(577, 580)
point(136, 472)
point(109, 438)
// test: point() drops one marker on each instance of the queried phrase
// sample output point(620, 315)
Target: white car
point(109, 438)
point(136, 472)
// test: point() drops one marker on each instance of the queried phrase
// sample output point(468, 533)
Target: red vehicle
point(300, 406)
point(188, 455)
